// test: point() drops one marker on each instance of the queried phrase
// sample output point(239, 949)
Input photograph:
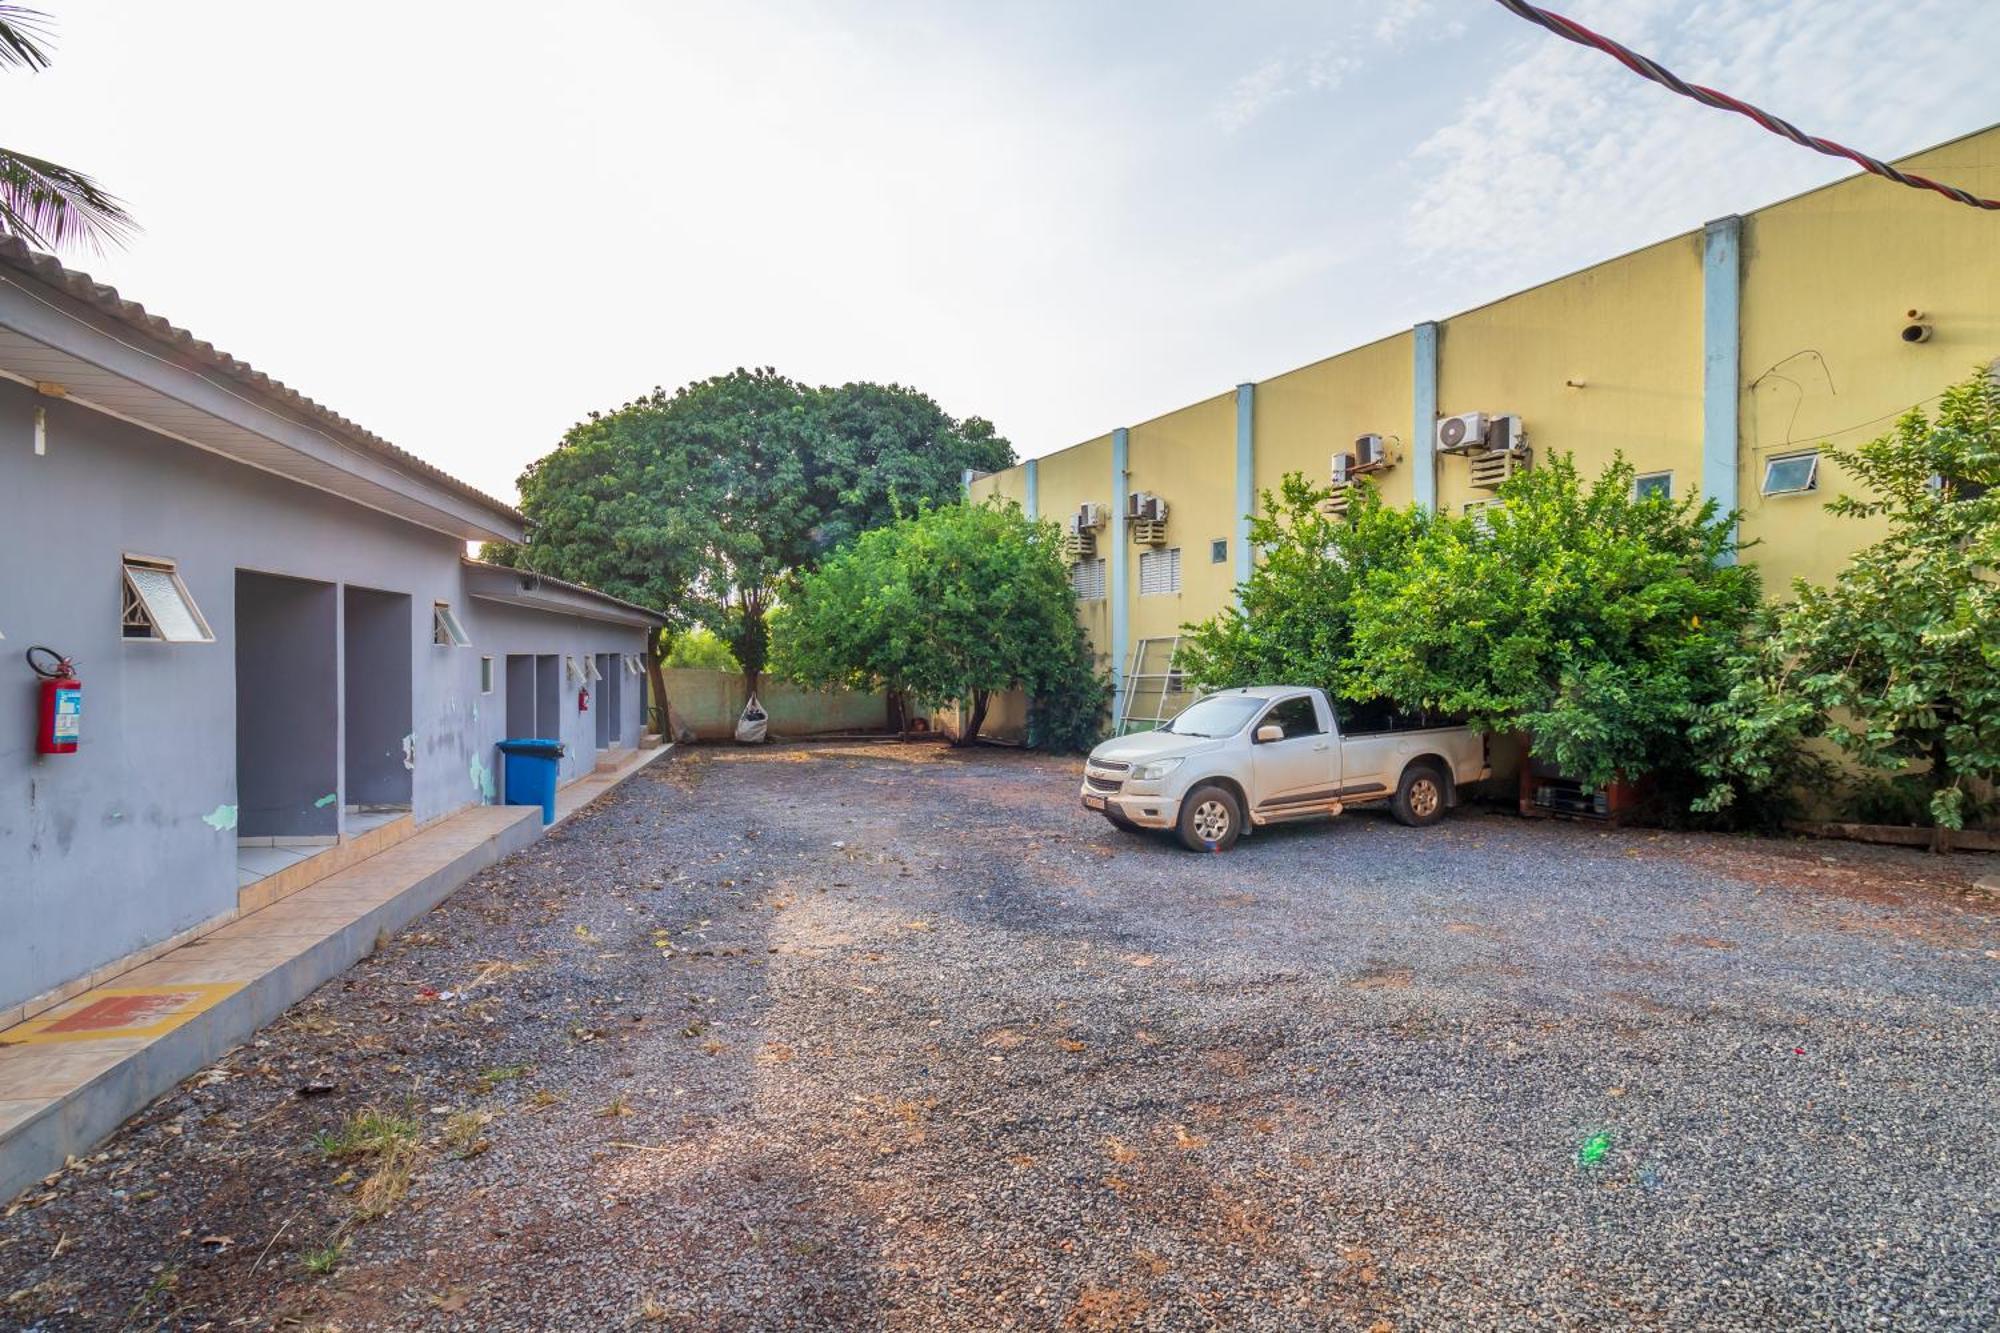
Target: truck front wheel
point(1211, 819)
point(1420, 797)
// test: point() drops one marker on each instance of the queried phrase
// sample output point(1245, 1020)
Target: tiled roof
point(202, 356)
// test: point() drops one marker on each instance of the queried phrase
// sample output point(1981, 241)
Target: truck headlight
point(1154, 771)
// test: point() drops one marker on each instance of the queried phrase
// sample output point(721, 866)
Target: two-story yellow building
point(1718, 361)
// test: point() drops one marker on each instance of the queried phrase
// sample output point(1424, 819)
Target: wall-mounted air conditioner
point(1505, 434)
point(1371, 452)
point(1461, 434)
point(1089, 517)
point(1342, 468)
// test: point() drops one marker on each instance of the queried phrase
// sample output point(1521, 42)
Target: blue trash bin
point(531, 773)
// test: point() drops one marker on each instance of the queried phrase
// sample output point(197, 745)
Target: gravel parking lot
point(849, 1037)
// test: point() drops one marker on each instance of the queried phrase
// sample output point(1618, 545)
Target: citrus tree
point(951, 604)
point(1293, 619)
point(1897, 662)
point(1592, 618)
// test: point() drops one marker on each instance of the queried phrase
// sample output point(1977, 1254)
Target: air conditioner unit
point(1370, 452)
point(1135, 504)
point(1343, 468)
point(1156, 509)
point(1506, 435)
point(1462, 433)
point(1089, 517)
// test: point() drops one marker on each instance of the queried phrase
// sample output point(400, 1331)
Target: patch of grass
point(463, 1135)
point(324, 1260)
point(541, 1099)
point(367, 1133)
point(386, 1140)
point(499, 1074)
point(617, 1108)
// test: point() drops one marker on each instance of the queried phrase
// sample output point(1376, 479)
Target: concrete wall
point(1629, 356)
point(133, 838)
point(711, 701)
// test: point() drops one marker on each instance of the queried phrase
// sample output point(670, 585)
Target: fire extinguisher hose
point(63, 666)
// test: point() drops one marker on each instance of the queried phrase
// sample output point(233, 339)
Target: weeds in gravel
point(326, 1258)
point(653, 1311)
point(499, 1074)
point(541, 1099)
point(366, 1133)
point(617, 1108)
point(385, 1139)
point(463, 1136)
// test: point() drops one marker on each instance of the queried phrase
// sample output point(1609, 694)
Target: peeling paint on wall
point(482, 778)
point(221, 819)
point(410, 752)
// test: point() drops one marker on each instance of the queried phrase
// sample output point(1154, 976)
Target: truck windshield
point(1217, 715)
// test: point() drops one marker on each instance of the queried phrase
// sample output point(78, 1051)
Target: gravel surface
point(894, 1037)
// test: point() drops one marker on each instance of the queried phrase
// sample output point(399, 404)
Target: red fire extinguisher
point(61, 722)
point(583, 700)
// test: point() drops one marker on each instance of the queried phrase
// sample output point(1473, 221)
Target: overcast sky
point(465, 226)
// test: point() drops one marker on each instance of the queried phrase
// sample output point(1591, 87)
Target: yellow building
point(1717, 362)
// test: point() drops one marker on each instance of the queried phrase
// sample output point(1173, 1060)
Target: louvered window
point(1087, 577)
point(1160, 572)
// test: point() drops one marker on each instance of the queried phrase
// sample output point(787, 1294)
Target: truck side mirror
point(1269, 732)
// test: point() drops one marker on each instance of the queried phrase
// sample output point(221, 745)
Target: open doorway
point(605, 702)
point(548, 697)
point(287, 721)
point(379, 758)
point(521, 695)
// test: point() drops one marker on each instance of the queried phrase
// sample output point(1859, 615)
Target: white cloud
point(1254, 94)
point(1563, 156)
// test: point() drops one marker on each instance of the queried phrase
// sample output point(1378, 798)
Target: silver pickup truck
point(1237, 759)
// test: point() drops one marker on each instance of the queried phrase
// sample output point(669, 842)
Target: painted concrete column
point(1246, 476)
point(1121, 484)
point(1721, 357)
point(965, 483)
point(1423, 427)
point(1034, 505)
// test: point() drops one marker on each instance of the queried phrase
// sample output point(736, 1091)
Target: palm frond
point(51, 206)
point(22, 34)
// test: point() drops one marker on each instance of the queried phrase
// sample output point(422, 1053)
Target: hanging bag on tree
point(753, 725)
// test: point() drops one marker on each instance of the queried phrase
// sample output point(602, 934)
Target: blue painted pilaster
point(1121, 483)
point(1721, 357)
point(1423, 427)
point(1033, 484)
point(965, 483)
point(1246, 476)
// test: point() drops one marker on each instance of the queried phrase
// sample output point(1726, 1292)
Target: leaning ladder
point(1154, 690)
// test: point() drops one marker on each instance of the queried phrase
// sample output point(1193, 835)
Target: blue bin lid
point(532, 745)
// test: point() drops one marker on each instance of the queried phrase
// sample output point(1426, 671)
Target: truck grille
point(1110, 766)
point(1105, 785)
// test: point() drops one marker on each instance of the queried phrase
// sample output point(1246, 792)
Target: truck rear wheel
point(1421, 796)
point(1211, 819)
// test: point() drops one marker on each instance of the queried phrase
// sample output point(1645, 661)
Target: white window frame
point(486, 675)
point(1666, 475)
point(1218, 551)
point(1812, 472)
point(136, 600)
point(1481, 513)
point(446, 629)
point(1171, 556)
point(1087, 579)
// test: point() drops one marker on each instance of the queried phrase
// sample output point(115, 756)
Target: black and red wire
point(1648, 68)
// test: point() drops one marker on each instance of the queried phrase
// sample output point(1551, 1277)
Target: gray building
point(282, 646)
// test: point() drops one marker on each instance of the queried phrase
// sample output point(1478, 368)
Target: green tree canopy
point(1294, 618)
point(1898, 661)
point(951, 604)
point(1592, 618)
point(701, 502)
